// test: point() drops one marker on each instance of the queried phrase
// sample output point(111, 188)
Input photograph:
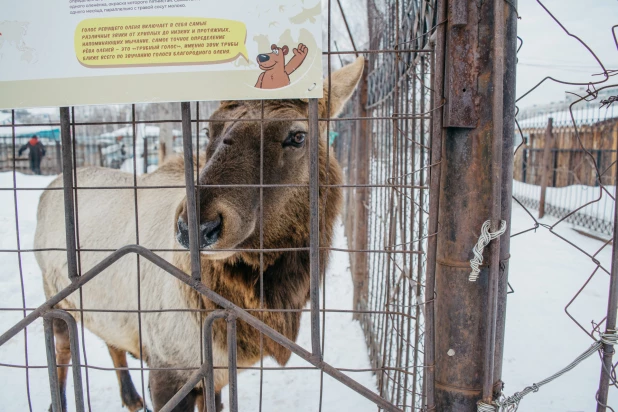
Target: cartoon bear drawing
point(276, 72)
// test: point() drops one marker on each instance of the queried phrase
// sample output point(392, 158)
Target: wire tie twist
point(484, 239)
point(511, 403)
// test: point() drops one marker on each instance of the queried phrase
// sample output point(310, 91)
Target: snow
point(572, 197)
point(545, 273)
point(541, 339)
point(581, 116)
point(289, 390)
point(142, 131)
point(127, 166)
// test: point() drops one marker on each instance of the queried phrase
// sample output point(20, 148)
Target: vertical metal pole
point(546, 165)
point(508, 154)
point(610, 322)
point(74, 347)
point(67, 180)
point(231, 353)
point(435, 172)
point(314, 226)
point(361, 215)
point(52, 367)
point(209, 389)
point(145, 154)
point(187, 143)
point(58, 156)
point(496, 199)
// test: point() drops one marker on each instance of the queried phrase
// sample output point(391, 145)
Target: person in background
point(35, 154)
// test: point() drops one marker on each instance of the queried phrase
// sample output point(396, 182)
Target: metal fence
point(405, 145)
point(390, 114)
point(565, 162)
point(388, 210)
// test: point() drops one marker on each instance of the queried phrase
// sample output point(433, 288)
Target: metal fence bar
point(209, 388)
point(240, 313)
point(74, 347)
point(496, 201)
point(52, 369)
point(194, 234)
point(435, 176)
point(67, 180)
point(314, 226)
point(610, 322)
point(232, 362)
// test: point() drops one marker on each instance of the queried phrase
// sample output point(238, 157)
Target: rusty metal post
point(361, 215)
point(610, 322)
point(546, 164)
point(476, 176)
point(314, 227)
point(435, 173)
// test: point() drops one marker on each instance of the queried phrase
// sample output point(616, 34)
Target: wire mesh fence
point(390, 308)
point(390, 211)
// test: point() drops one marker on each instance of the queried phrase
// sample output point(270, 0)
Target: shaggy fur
point(107, 220)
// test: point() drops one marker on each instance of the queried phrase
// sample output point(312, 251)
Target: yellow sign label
point(159, 41)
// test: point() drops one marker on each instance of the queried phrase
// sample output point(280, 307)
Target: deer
point(143, 311)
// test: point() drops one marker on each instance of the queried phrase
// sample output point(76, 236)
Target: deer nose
point(182, 234)
point(263, 58)
point(208, 232)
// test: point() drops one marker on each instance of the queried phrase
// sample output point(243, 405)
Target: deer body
point(172, 313)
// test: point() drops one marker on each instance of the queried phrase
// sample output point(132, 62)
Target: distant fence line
point(88, 151)
point(583, 147)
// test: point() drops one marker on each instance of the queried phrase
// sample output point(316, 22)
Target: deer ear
point(343, 82)
point(285, 50)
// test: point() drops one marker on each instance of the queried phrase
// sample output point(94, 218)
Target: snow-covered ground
point(290, 390)
point(540, 339)
point(572, 197)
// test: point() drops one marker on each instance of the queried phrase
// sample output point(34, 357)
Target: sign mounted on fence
point(79, 52)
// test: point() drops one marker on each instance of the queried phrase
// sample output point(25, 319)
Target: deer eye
point(295, 139)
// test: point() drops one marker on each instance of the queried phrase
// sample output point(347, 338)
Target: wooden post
point(546, 165)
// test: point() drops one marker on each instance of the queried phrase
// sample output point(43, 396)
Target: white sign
point(77, 52)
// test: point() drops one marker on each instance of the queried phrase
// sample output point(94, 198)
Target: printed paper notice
point(75, 52)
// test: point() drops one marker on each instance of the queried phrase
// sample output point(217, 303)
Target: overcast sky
point(549, 51)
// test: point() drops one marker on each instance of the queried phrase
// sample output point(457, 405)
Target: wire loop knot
point(484, 239)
